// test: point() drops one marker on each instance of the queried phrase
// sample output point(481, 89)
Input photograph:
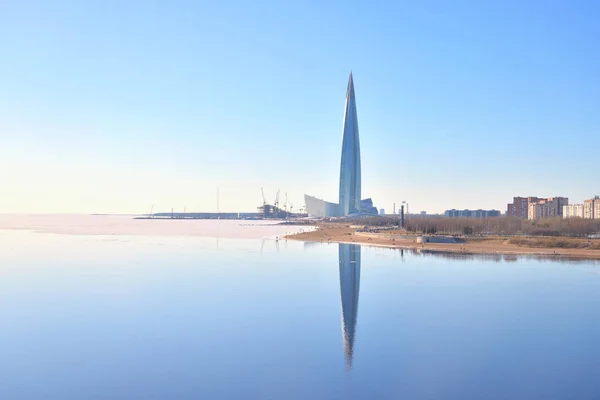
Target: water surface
point(188, 317)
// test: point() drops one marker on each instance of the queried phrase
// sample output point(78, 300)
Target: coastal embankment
point(341, 233)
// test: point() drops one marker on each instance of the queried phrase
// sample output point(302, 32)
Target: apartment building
point(545, 208)
point(572, 211)
point(591, 208)
point(520, 206)
point(472, 213)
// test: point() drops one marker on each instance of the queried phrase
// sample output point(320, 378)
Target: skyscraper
point(350, 165)
point(350, 203)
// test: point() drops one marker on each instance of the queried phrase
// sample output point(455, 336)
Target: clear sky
point(113, 106)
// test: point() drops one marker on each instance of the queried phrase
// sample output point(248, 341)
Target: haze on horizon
point(111, 107)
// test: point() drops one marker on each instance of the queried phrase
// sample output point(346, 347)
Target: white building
point(572, 211)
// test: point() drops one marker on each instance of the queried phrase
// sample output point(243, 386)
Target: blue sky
point(111, 106)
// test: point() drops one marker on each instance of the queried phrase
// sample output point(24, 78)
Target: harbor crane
point(276, 209)
point(264, 207)
point(276, 204)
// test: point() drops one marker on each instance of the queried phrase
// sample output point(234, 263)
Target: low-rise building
point(471, 213)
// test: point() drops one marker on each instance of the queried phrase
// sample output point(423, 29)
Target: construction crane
point(276, 204)
point(264, 203)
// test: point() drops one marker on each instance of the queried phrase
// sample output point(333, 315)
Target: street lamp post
point(404, 214)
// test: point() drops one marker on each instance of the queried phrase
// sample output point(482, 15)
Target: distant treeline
point(574, 227)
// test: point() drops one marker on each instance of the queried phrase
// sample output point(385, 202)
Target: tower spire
point(350, 176)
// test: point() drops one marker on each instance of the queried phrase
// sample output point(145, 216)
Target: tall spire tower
point(350, 165)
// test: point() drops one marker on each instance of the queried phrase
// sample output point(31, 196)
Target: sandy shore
point(344, 234)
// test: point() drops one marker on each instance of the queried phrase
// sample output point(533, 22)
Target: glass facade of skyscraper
point(350, 203)
point(350, 165)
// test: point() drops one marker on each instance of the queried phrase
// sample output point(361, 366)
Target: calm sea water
point(185, 317)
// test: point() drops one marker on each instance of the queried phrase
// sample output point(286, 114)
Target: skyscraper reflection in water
point(349, 288)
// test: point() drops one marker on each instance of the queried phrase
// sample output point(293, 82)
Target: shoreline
point(473, 246)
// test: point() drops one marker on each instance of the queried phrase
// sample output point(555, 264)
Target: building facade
point(572, 211)
point(350, 202)
point(320, 208)
point(520, 207)
point(591, 208)
point(535, 211)
point(588, 209)
point(471, 213)
point(367, 207)
point(350, 177)
point(546, 208)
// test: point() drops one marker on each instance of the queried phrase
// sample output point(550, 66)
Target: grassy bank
point(556, 243)
point(497, 226)
point(538, 246)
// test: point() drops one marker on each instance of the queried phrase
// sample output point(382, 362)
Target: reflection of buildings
point(349, 288)
point(350, 202)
